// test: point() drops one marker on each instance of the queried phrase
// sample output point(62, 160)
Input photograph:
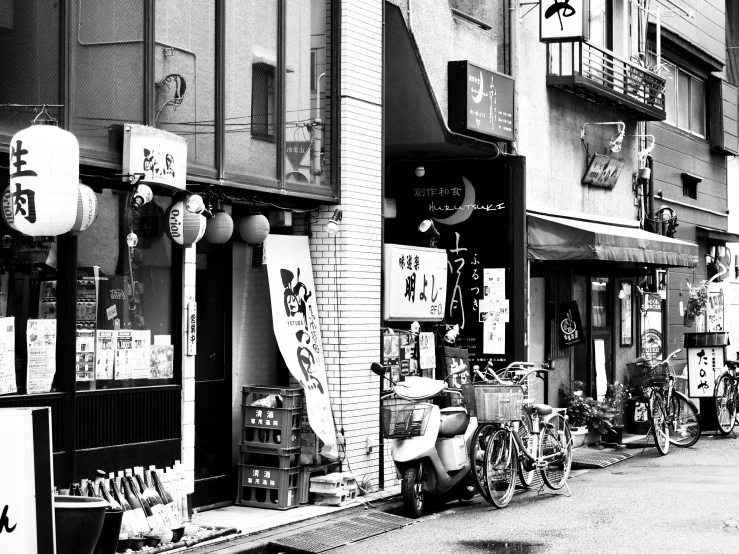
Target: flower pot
point(108, 539)
point(578, 436)
point(688, 320)
point(78, 522)
point(614, 435)
point(591, 437)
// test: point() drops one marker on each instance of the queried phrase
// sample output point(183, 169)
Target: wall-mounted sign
point(192, 328)
point(603, 171)
point(705, 364)
point(414, 280)
point(159, 155)
point(570, 326)
point(563, 20)
point(480, 101)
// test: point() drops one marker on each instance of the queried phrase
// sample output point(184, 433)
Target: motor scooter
point(430, 445)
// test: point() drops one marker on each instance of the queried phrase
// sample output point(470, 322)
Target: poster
point(41, 341)
point(161, 357)
point(124, 355)
point(426, 350)
point(85, 361)
point(715, 311)
point(651, 346)
point(104, 354)
point(705, 364)
point(494, 283)
point(493, 340)
point(141, 362)
point(295, 320)
point(570, 326)
point(7, 355)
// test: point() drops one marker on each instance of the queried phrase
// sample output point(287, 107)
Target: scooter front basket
point(403, 421)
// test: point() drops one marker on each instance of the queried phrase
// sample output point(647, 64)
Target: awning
point(558, 238)
point(717, 235)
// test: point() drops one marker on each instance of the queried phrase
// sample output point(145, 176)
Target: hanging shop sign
point(563, 20)
point(570, 326)
point(705, 364)
point(480, 101)
point(603, 171)
point(651, 344)
point(159, 155)
point(414, 281)
point(26, 503)
point(295, 320)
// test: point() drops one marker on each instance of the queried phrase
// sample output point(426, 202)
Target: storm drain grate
point(341, 533)
point(590, 458)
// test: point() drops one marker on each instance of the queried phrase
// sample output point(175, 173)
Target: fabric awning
point(558, 238)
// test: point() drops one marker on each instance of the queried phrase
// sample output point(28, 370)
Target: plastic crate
point(642, 374)
point(272, 428)
point(291, 397)
point(494, 403)
point(263, 457)
point(266, 487)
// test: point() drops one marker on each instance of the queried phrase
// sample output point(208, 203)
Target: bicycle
point(548, 448)
point(726, 393)
point(673, 417)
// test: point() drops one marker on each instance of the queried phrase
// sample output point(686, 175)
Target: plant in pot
point(697, 303)
point(616, 396)
point(593, 416)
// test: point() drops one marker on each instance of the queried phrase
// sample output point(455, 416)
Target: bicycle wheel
point(501, 461)
point(725, 399)
point(683, 421)
point(659, 422)
point(556, 439)
point(526, 476)
point(477, 457)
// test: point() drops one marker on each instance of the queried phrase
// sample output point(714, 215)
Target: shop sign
point(414, 281)
point(480, 101)
point(159, 155)
point(192, 328)
point(563, 20)
point(295, 320)
point(603, 171)
point(653, 302)
point(570, 326)
point(705, 364)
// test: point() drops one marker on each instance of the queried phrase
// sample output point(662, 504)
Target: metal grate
point(583, 458)
point(341, 533)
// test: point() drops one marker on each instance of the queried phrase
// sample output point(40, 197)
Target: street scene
point(369, 275)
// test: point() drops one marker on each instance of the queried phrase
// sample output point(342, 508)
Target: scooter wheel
point(412, 489)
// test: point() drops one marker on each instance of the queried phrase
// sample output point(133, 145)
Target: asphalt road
point(677, 503)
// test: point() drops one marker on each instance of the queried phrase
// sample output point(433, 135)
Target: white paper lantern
point(87, 209)
point(44, 172)
point(8, 209)
point(220, 228)
point(184, 227)
point(254, 229)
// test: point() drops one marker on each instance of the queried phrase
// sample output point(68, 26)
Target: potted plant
point(593, 416)
point(616, 397)
point(697, 303)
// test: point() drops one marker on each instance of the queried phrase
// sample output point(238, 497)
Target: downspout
point(650, 211)
point(381, 441)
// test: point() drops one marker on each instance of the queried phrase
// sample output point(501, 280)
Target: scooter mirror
point(377, 369)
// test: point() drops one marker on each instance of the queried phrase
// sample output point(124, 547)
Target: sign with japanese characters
point(562, 20)
point(414, 283)
point(426, 350)
point(570, 326)
point(705, 364)
point(296, 326)
point(480, 101)
point(650, 343)
point(159, 155)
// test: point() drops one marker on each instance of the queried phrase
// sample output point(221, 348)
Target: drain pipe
point(650, 212)
point(381, 438)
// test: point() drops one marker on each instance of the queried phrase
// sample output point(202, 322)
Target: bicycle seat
point(542, 409)
point(454, 421)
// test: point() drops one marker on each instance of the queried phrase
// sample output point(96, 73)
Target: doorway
point(601, 325)
point(215, 484)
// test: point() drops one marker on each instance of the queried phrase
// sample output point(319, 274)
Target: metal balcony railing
point(602, 77)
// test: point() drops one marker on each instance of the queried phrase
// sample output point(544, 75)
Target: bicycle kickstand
point(561, 492)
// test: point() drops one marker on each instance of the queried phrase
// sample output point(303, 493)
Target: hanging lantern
point(87, 209)
point(44, 172)
point(8, 210)
point(254, 228)
point(220, 228)
point(184, 227)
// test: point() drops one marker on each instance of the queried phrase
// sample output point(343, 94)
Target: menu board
point(104, 354)
point(7, 355)
point(141, 363)
point(124, 355)
point(41, 342)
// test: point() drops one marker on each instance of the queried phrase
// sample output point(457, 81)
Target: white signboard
point(7, 355)
point(41, 342)
point(705, 364)
point(426, 350)
point(159, 155)
point(562, 20)
point(414, 281)
point(715, 308)
point(295, 320)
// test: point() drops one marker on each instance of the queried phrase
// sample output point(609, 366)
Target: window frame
point(265, 72)
point(676, 72)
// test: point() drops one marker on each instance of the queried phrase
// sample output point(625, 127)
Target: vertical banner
point(651, 345)
point(570, 326)
point(297, 330)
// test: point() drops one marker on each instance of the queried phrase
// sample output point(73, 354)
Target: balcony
point(602, 77)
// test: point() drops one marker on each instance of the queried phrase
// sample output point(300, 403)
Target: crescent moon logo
point(461, 214)
point(478, 96)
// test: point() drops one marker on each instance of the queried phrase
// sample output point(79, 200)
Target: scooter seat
point(542, 409)
point(454, 421)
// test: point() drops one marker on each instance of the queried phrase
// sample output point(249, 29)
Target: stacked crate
point(269, 450)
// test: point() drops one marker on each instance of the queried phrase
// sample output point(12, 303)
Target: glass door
point(601, 332)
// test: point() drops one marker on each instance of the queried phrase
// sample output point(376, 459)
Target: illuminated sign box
point(159, 155)
point(563, 20)
point(480, 101)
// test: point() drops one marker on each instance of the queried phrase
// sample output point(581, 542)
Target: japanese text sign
point(414, 281)
point(161, 156)
point(705, 363)
point(562, 20)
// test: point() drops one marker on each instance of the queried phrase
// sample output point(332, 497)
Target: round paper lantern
point(254, 228)
point(44, 172)
point(220, 228)
point(87, 209)
point(184, 227)
point(8, 210)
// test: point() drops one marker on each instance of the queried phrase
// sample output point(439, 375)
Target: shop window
point(599, 299)
point(558, 292)
point(263, 101)
point(685, 100)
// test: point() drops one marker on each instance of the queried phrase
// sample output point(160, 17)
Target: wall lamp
point(615, 143)
point(426, 227)
point(332, 225)
point(196, 205)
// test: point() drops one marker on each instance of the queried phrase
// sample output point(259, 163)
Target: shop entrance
point(213, 480)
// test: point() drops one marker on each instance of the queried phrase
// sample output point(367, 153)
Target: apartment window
point(608, 25)
point(263, 101)
point(690, 185)
point(685, 100)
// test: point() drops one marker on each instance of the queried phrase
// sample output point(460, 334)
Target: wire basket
point(494, 403)
point(405, 420)
point(642, 374)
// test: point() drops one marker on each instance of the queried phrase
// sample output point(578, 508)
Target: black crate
point(276, 429)
point(264, 457)
point(291, 397)
point(266, 487)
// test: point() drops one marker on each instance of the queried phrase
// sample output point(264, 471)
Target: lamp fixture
point(196, 205)
point(142, 195)
point(426, 227)
point(642, 154)
point(332, 226)
point(420, 171)
point(615, 143)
